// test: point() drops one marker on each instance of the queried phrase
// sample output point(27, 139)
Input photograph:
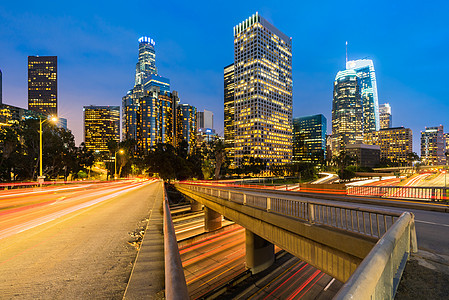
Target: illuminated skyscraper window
point(309, 138)
point(395, 143)
point(229, 129)
point(262, 92)
point(43, 84)
point(433, 146)
point(385, 118)
point(186, 125)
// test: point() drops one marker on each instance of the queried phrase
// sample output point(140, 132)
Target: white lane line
point(329, 284)
point(432, 223)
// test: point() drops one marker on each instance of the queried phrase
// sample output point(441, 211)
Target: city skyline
point(93, 72)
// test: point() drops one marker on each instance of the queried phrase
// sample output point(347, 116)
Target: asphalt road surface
point(71, 242)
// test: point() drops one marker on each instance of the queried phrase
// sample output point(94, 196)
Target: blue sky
point(96, 44)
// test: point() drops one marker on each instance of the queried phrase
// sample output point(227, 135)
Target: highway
point(72, 242)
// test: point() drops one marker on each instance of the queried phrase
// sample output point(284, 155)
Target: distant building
point(262, 92)
point(433, 146)
point(101, 124)
point(395, 143)
point(309, 138)
point(62, 123)
point(206, 135)
point(446, 137)
point(229, 106)
point(385, 117)
point(186, 125)
point(10, 114)
point(204, 119)
point(365, 155)
point(43, 84)
point(347, 112)
point(364, 69)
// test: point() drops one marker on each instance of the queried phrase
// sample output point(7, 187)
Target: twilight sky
point(96, 44)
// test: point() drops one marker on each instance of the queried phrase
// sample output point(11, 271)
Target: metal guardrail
point(378, 275)
point(364, 221)
point(175, 281)
point(404, 192)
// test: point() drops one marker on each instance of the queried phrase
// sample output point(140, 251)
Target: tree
point(219, 151)
point(411, 157)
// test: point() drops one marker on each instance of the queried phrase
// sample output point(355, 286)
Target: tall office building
point(101, 124)
point(446, 138)
point(186, 125)
point(229, 129)
point(146, 65)
point(385, 117)
point(148, 110)
point(43, 84)
point(395, 143)
point(433, 146)
point(205, 119)
point(309, 138)
point(370, 103)
point(262, 92)
point(347, 111)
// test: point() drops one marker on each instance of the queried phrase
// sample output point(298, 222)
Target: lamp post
point(41, 177)
point(121, 151)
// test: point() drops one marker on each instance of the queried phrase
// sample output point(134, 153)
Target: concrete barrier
point(175, 281)
point(379, 274)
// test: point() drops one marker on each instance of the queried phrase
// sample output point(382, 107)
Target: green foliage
point(307, 171)
point(346, 174)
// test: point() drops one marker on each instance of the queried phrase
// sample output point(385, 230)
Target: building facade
point(364, 69)
point(229, 129)
point(309, 139)
point(385, 117)
point(101, 124)
point(365, 155)
point(204, 119)
point(43, 84)
point(262, 92)
point(395, 143)
point(347, 111)
point(186, 126)
point(10, 114)
point(433, 146)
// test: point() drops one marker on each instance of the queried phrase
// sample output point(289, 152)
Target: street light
point(41, 121)
point(121, 151)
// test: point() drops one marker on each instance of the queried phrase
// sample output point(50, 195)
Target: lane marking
point(432, 223)
point(329, 284)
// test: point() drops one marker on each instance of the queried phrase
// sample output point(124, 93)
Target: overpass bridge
point(365, 248)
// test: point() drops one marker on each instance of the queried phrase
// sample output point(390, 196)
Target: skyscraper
point(262, 92)
point(370, 103)
point(229, 129)
point(43, 84)
point(146, 65)
point(433, 146)
point(101, 124)
point(204, 119)
point(186, 125)
point(347, 112)
point(309, 138)
point(385, 118)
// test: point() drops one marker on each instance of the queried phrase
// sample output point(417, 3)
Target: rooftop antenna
point(346, 51)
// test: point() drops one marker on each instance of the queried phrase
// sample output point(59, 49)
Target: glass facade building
point(186, 125)
point(204, 119)
point(347, 111)
point(101, 124)
point(43, 84)
point(262, 92)
point(229, 130)
point(146, 65)
point(385, 117)
point(433, 146)
point(368, 91)
point(309, 138)
point(395, 143)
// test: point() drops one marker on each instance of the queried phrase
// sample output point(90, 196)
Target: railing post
point(244, 199)
point(268, 203)
point(311, 212)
